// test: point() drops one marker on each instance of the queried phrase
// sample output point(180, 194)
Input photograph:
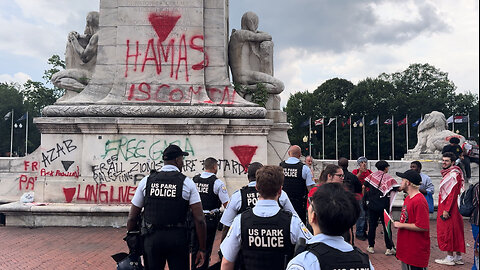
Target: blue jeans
point(360, 225)
point(475, 246)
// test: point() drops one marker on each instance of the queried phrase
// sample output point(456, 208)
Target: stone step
point(64, 214)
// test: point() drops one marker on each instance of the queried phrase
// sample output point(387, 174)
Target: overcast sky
point(315, 40)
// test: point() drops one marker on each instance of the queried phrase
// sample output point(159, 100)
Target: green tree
point(299, 110)
point(12, 99)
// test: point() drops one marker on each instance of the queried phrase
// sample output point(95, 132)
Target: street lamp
point(305, 139)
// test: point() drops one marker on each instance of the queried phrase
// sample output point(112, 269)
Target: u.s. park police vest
point(330, 258)
point(249, 198)
point(266, 241)
point(294, 185)
point(164, 204)
point(209, 199)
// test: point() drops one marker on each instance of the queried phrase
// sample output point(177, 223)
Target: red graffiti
point(226, 96)
point(100, 193)
point(164, 93)
point(453, 136)
point(30, 180)
point(163, 23)
point(244, 153)
point(75, 173)
point(156, 52)
point(69, 193)
point(33, 165)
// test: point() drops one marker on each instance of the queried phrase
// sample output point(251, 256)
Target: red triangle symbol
point(163, 23)
point(69, 192)
point(244, 153)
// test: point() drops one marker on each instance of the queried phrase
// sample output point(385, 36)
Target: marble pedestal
point(100, 160)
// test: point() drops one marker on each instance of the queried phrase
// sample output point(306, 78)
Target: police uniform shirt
point(264, 208)
point(308, 260)
point(236, 203)
point(189, 189)
point(219, 188)
point(306, 172)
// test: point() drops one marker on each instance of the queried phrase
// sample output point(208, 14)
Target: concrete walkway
point(90, 248)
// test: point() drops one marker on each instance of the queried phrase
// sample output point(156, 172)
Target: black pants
point(170, 245)
point(300, 206)
point(212, 225)
point(373, 217)
point(466, 162)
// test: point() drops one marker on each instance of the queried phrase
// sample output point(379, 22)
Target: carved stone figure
point(433, 135)
point(80, 58)
point(251, 57)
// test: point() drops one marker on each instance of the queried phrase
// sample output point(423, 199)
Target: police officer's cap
point(172, 152)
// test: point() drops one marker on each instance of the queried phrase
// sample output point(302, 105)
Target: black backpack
point(466, 206)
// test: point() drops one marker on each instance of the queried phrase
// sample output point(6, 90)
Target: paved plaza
point(90, 248)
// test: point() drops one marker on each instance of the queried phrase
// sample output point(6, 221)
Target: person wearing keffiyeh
point(450, 235)
point(382, 191)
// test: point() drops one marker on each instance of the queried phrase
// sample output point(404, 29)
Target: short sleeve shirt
point(414, 211)
point(189, 189)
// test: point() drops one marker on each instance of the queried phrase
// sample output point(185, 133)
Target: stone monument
point(161, 76)
point(432, 135)
point(80, 59)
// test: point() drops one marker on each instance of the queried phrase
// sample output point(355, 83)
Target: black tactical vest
point(266, 241)
point(164, 205)
point(330, 258)
point(294, 184)
point(209, 199)
point(249, 198)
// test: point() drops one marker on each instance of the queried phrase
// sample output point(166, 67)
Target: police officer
point(265, 234)
point(246, 198)
point(332, 211)
point(213, 194)
point(165, 197)
point(298, 180)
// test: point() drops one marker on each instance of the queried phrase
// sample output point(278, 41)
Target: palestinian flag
point(388, 223)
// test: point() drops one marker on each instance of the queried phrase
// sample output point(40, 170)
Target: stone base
point(61, 214)
point(100, 160)
point(411, 156)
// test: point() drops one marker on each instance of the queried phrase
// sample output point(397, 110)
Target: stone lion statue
point(433, 134)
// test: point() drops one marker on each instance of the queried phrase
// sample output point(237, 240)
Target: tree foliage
point(416, 91)
point(31, 97)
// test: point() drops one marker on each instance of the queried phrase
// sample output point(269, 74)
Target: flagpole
point(310, 136)
point(350, 126)
point(468, 125)
point(406, 128)
point(393, 139)
point(11, 135)
point(26, 135)
point(336, 139)
point(453, 124)
point(323, 139)
point(378, 137)
point(363, 121)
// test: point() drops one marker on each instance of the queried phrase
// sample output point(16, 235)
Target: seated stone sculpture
point(251, 56)
point(80, 58)
point(433, 134)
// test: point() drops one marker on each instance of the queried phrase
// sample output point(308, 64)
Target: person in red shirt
point(362, 172)
point(413, 237)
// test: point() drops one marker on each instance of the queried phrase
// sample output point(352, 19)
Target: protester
point(332, 211)
point(414, 224)
point(382, 191)
point(470, 154)
point(361, 173)
point(426, 188)
point(474, 222)
point(450, 235)
point(266, 234)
